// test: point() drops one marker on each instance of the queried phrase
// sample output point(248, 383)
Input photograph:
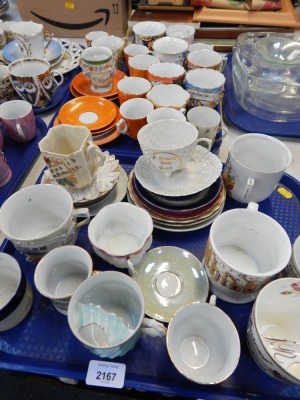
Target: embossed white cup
point(60, 272)
point(71, 155)
point(254, 166)
point(245, 250)
point(168, 144)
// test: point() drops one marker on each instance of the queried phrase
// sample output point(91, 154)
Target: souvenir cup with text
point(98, 65)
point(34, 81)
point(206, 87)
point(71, 155)
point(30, 37)
point(18, 119)
point(254, 166)
point(245, 250)
point(134, 116)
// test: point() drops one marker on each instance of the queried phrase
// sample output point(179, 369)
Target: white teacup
point(60, 272)
point(207, 121)
point(166, 72)
point(166, 113)
point(138, 65)
point(203, 343)
point(170, 49)
point(199, 46)
point(115, 44)
point(39, 218)
point(254, 166)
point(106, 313)
point(134, 49)
point(93, 35)
point(71, 155)
point(246, 249)
point(168, 144)
point(30, 37)
point(16, 293)
point(182, 31)
point(204, 59)
point(121, 233)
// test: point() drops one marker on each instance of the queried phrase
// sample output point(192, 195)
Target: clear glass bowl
point(266, 75)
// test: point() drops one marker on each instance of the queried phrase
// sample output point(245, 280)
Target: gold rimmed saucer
point(91, 111)
point(82, 85)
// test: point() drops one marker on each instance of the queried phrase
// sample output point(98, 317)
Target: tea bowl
point(16, 293)
point(121, 233)
point(203, 343)
point(106, 313)
point(273, 333)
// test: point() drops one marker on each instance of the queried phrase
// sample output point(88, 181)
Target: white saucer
point(12, 51)
point(170, 277)
point(70, 59)
point(198, 174)
point(117, 194)
point(105, 180)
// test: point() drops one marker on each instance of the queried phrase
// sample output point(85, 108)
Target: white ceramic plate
point(71, 57)
point(198, 174)
point(169, 278)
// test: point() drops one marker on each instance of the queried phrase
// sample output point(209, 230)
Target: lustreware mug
point(245, 250)
point(132, 87)
point(34, 81)
point(18, 118)
point(5, 171)
point(254, 166)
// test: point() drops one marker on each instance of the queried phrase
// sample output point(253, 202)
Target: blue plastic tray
point(44, 344)
point(20, 156)
point(249, 123)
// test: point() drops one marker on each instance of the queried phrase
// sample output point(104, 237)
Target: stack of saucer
point(99, 115)
point(81, 86)
point(109, 185)
point(189, 199)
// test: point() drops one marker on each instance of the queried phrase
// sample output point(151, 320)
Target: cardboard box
point(75, 18)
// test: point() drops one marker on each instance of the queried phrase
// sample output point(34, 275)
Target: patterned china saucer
point(105, 180)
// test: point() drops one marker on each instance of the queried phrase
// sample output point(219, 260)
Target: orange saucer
point(82, 85)
point(91, 111)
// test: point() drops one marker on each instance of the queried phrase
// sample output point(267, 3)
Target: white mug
point(254, 166)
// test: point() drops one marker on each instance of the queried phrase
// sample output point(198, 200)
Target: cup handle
point(205, 142)
point(82, 212)
point(94, 154)
point(130, 267)
point(213, 300)
point(224, 131)
point(119, 125)
point(183, 111)
point(252, 206)
point(20, 131)
point(57, 72)
point(249, 187)
point(48, 37)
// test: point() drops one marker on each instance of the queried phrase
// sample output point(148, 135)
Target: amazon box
point(76, 18)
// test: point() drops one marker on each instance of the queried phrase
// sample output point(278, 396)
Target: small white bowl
point(121, 233)
point(171, 95)
point(203, 343)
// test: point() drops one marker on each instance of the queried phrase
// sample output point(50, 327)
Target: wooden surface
point(144, 5)
point(162, 16)
point(286, 17)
